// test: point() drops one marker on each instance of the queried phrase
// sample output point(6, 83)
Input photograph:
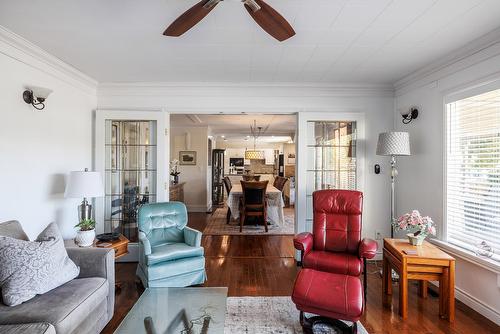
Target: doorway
point(210, 154)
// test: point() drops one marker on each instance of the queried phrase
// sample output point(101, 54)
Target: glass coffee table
point(177, 311)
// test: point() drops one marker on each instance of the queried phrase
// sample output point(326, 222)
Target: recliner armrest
point(192, 237)
point(303, 242)
point(367, 249)
point(144, 242)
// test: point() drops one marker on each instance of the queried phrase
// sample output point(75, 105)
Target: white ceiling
point(363, 41)
point(237, 127)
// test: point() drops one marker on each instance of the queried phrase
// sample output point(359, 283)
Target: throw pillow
point(30, 268)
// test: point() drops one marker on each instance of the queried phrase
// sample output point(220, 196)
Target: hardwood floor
point(264, 266)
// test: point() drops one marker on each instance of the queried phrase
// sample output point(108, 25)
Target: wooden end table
point(429, 264)
point(120, 246)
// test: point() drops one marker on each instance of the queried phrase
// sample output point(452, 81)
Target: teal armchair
point(170, 253)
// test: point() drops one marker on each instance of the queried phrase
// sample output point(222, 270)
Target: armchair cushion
point(337, 263)
point(169, 252)
point(368, 248)
point(303, 242)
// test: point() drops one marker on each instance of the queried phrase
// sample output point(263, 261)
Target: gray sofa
point(83, 305)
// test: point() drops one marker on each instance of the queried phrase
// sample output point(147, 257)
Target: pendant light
point(256, 133)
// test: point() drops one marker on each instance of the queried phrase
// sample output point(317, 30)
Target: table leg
point(422, 291)
point(403, 293)
point(451, 292)
point(386, 277)
point(443, 292)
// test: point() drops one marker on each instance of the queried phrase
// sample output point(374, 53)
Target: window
point(473, 173)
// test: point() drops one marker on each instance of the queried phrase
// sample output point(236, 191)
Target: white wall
point(420, 182)
point(39, 148)
point(376, 102)
point(195, 177)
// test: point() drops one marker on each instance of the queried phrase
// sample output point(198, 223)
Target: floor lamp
point(393, 144)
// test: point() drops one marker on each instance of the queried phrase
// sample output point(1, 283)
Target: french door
point(131, 156)
point(330, 154)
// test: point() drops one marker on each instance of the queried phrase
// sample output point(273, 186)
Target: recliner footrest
point(330, 295)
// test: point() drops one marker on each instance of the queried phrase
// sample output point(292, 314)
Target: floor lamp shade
point(393, 143)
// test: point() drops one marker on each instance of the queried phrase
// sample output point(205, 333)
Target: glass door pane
point(331, 158)
point(130, 173)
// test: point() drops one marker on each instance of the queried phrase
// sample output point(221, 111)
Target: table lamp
point(87, 185)
point(393, 144)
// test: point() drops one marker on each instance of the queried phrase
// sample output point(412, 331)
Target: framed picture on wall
point(187, 158)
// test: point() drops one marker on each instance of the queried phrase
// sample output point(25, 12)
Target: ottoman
point(333, 297)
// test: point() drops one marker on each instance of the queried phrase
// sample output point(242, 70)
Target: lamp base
point(84, 211)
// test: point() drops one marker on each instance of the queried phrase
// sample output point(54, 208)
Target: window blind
point(473, 173)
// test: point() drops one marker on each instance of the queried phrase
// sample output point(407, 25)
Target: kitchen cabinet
point(269, 156)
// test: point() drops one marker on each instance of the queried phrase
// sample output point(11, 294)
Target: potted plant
point(86, 233)
point(174, 170)
point(420, 227)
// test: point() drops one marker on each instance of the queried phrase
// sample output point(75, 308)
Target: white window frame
point(441, 241)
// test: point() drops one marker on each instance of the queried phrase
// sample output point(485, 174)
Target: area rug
point(268, 315)
point(216, 225)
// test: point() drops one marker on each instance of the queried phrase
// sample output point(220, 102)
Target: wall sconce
point(36, 96)
point(409, 115)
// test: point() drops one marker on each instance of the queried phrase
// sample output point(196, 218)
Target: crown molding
point(166, 89)
point(22, 50)
point(470, 54)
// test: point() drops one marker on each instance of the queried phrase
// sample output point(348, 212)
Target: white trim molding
point(483, 48)
point(22, 50)
point(166, 89)
point(477, 305)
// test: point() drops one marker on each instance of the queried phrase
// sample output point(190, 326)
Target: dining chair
point(228, 185)
point(279, 182)
point(253, 203)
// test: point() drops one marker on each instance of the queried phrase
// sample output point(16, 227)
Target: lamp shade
point(254, 155)
point(393, 143)
point(84, 184)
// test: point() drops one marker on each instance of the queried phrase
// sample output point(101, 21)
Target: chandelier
point(256, 131)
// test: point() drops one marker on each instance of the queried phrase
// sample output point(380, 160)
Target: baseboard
point(196, 208)
point(477, 305)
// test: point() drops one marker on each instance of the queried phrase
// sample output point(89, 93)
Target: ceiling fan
point(265, 16)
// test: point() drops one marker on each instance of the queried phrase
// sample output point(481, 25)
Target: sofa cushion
point(175, 251)
point(35, 328)
point(338, 263)
point(29, 268)
point(13, 229)
point(65, 307)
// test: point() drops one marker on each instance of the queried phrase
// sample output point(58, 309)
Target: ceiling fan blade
point(271, 21)
point(190, 18)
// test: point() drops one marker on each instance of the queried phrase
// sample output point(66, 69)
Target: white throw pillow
point(30, 268)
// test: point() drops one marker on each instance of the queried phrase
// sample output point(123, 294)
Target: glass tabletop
point(177, 311)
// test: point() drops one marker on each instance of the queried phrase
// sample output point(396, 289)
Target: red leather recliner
point(335, 244)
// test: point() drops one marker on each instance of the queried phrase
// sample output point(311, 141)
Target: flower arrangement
point(174, 170)
point(420, 226)
point(174, 167)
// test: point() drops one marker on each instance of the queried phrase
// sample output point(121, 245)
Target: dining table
point(275, 203)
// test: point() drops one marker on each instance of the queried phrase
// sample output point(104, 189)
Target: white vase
point(416, 240)
point(85, 238)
